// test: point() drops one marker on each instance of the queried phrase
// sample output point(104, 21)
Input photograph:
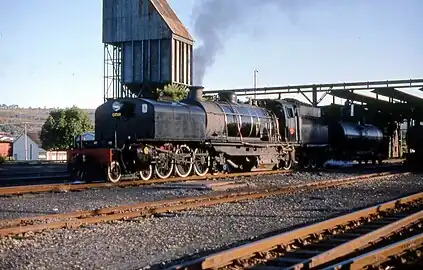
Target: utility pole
point(255, 82)
point(26, 141)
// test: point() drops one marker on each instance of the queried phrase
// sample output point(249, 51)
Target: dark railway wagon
point(354, 141)
point(414, 140)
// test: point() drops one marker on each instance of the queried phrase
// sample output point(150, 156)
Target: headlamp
point(116, 106)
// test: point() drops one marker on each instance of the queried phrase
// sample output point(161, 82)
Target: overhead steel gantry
point(379, 88)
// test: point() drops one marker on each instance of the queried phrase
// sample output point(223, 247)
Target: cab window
point(289, 113)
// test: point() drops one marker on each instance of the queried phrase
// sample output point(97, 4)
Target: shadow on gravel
point(205, 252)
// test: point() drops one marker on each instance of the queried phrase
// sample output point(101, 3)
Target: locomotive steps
point(147, 209)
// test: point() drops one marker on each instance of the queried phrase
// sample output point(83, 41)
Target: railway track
point(24, 177)
point(145, 209)
point(364, 239)
point(405, 254)
point(18, 190)
point(8, 188)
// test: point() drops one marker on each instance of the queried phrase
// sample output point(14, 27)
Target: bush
point(2, 159)
point(61, 127)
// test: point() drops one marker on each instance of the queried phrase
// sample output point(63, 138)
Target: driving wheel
point(146, 173)
point(114, 172)
point(164, 166)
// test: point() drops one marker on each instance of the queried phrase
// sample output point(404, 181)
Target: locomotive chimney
point(228, 96)
point(196, 93)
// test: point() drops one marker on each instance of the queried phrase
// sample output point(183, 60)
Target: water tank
point(155, 47)
point(354, 137)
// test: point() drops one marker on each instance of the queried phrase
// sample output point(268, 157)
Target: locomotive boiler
point(230, 121)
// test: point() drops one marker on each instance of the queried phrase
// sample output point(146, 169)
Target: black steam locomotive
point(146, 137)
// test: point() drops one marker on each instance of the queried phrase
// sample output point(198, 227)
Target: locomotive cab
point(290, 121)
point(287, 115)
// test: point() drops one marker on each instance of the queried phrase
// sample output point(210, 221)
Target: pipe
point(232, 163)
point(292, 156)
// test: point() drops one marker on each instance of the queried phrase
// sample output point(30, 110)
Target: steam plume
point(215, 19)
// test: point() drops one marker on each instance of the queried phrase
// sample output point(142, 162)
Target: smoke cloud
point(214, 20)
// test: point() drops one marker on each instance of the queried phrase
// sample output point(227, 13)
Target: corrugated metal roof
point(169, 16)
point(345, 94)
point(394, 93)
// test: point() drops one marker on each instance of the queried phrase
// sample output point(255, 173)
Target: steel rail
point(273, 247)
point(79, 218)
point(361, 242)
point(18, 190)
point(383, 255)
point(63, 187)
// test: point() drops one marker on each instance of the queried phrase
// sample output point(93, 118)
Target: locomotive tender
point(146, 137)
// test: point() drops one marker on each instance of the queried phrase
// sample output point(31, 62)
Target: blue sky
point(51, 52)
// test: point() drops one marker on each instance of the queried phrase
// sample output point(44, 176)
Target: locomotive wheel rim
point(161, 175)
point(183, 170)
point(81, 175)
point(198, 171)
point(74, 174)
point(114, 172)
point(146, 174)
point(313, 164)
point(306, 164)
point(287, 164)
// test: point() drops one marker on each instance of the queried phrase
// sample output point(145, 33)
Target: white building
point(33, 147)
point(54, 155)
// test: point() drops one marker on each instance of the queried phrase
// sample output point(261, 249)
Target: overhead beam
point(308, 88)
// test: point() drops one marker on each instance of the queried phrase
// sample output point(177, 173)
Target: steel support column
point(314, 96)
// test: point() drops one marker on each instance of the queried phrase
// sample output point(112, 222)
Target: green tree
point(61, 127)
point(174, 92)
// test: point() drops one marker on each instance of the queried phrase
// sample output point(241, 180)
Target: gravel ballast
point(146, 242)
point(50, 203)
